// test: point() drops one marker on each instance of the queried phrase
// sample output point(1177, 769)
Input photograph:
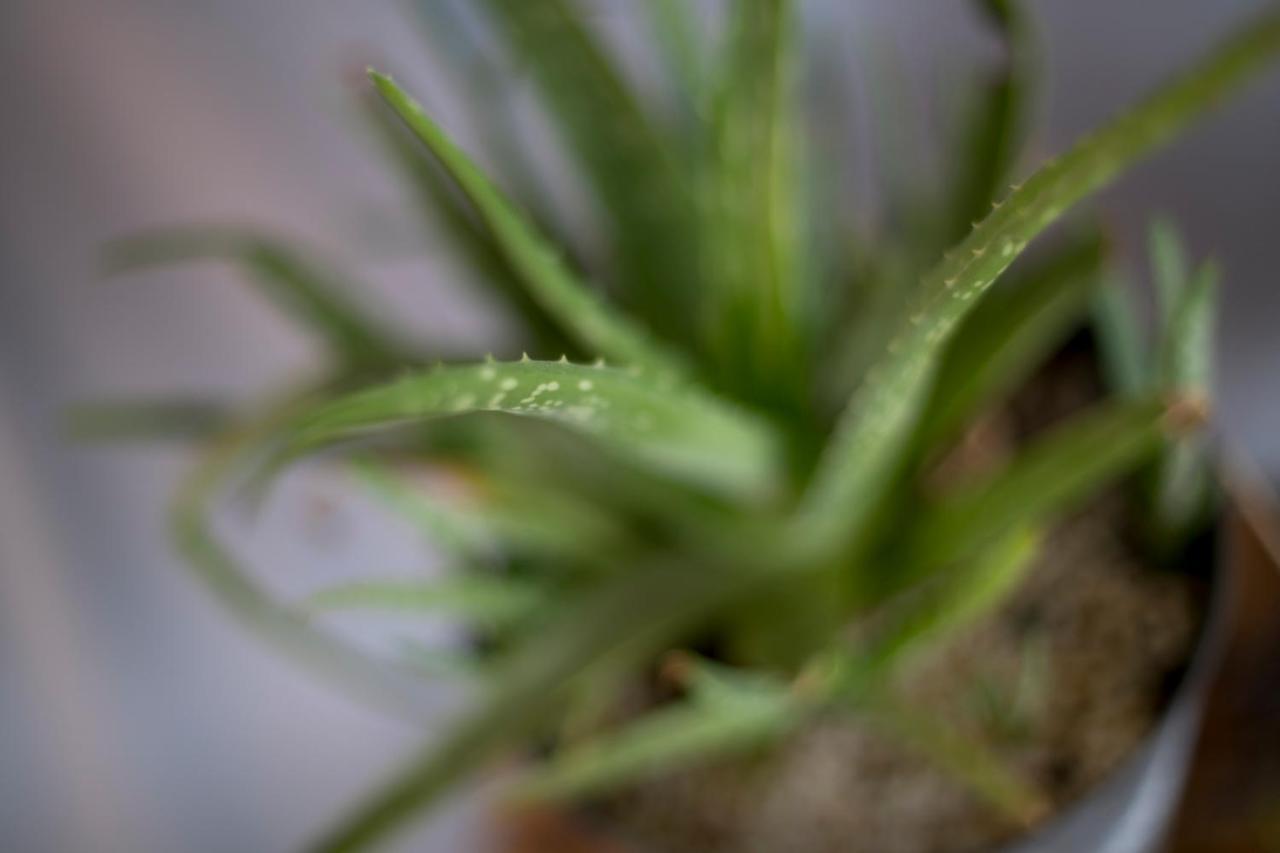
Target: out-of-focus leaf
point(875, 307)
point(1053, 473)
point(955, 597)
point(280, 625)
point(628, 164)
point(441, 662)
point(1169, 266)
point(1183, 477)
point(486, 598)
point(481, 76)
point(1121, 346)
point(751, 217)
point(630, 617)
point(549, 522)
point(501, 516)
point(550, 282)
point(869, 440)
point(672, 427)
point(676, 33)
point(996, 129)
point(168, 419)
point(443, 204)
point(301, 287)
point(1009, 335)
point(1186, 341)
point(460, 537)
point(667, 738)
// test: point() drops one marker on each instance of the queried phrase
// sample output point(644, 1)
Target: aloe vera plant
point(701, 449)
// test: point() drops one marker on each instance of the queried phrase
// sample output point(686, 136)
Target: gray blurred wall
point(134, 715)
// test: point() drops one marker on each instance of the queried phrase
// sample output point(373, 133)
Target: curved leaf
point(281, 625)
point(670, 426)
point(1009, 335)
point(870, 438)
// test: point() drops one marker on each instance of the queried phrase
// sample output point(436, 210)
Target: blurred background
point(134, 714)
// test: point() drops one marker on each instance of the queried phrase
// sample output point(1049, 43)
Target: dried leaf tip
point(1186, 413)
point(676, 668)
point(1034, 812)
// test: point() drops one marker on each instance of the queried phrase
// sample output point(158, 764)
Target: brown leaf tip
point(1187, 413)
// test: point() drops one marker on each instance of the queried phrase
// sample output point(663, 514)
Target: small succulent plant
point(713, 460)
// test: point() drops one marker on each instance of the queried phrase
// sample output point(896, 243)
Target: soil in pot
point(1062, 683)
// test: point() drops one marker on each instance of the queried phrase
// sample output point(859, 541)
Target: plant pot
point(1131, 811)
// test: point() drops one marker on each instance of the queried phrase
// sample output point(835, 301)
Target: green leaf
point(482, 80)
point(1186, 341)
point(676, 33)
point(954, 598)
point(1009, 335)
point(1055, 471)
point(995, 132)
point(1121, 346)
point(630, 617)
point(301, 287)
point(665, 739)
point(671, 427)
point(543, 520)
point(505, 517)
point(437, 662)
point(1169, 266)
point(459, 536)
point(168, 419)
point(869, 441)
point(1184, 477)
point(629, 165)
point(441, 203)
point(753, 310)
point(549, 281)
point(282, 626)
point(488, 599)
